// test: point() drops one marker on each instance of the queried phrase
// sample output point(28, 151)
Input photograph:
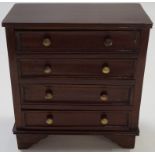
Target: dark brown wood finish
point(24, 141)
point(121, 14)
point(77, 69)
point(126, 141)
point(139, 76)
point(14, 76)
point(78, 94)
point(73, 119)
point(85, 41)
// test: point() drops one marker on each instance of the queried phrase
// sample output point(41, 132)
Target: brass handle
point(47, 69)
point(106, 70)
point(48, 96)
point(108, 42)
point(104, 121)
point(49, 121)
point(46, 42)
point(104, 97)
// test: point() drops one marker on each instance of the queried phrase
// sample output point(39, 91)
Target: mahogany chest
point(77, 69)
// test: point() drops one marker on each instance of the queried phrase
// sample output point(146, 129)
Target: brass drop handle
point(106, 70)
point(48, 95)
point(47, 69)
point(104, 97)
point(104, 121)
point(46, 42)
point(49, 121)
point(108, 42)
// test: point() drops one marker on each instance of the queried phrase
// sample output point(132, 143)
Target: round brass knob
point(47, 69)
point(104, 97)
point(49, 121)
point(104, 121)
point(108, 42)
point(46, 42)
point(106, 70)
point(48, 96)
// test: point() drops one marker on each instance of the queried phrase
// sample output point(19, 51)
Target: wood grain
point(84, 39)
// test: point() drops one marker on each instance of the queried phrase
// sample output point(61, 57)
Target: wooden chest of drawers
point(77, 69)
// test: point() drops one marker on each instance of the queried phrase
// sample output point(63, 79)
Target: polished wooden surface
point(77, 14)
point(119, 68)
point(77, 93)
point(77, 69)
point(62, 41)
point(73, 119)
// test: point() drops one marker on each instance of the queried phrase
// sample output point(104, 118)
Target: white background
point(144, 142)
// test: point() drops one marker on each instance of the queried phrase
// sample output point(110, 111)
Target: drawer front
point(76, 41)
point(53, 119)
point(77, 94)
point(108, 68)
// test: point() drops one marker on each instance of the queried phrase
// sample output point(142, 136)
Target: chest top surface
point(123, 14)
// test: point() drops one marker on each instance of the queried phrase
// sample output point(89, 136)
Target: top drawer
point(76, 41)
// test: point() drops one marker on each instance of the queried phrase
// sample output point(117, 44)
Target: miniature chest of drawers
point(77, 69)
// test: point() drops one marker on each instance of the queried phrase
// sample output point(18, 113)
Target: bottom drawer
point(107, 120)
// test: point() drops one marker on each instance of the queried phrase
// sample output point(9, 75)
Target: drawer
point(76, 41)
point(110, 120)
point(77, 94)
point(108, 68)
